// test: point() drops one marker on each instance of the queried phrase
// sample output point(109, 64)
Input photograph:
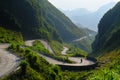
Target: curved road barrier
point(85, 65)
point(92, 65)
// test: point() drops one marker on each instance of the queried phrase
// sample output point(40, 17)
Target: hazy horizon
point(74, 4)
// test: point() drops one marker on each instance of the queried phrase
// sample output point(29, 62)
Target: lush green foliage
point(76, 52)
point(8, 36)
point(17, 49)
point(109, 66)
point(40, 69)
point(37, 46)
point(39, 19)
point(31, 74)
point(109, 30)
point(33, 67)
point(23, 66)
point(85, 44)
point(107, 48)
point(57, 47)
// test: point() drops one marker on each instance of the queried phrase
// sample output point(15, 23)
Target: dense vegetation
point(57, 47)
point(37, 46)
point(85, 44)
point(6, 36)
point(38, 19)
point(108, 69)
point(76, 52)
point(32, 66)
point(107, 47)
point(109, 30)
point(27, 18)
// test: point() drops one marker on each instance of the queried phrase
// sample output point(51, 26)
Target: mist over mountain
point(78, 11)
point(84, 18)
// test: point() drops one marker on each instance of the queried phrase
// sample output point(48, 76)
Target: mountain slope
point(39, 19)
point(26, 18)
point(109, 31)
point(86, 41)
point(106, 47)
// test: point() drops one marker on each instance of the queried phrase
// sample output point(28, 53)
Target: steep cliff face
point(109, 30)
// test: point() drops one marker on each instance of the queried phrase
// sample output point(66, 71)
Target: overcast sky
point(91, 5)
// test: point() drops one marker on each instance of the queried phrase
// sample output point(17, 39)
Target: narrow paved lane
point(75, 59)
point(45, 44)
point(8, 61)
point(64, 51)
point(82, 38)
point(79, 62)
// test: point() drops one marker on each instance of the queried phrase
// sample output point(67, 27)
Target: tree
point(23, 66)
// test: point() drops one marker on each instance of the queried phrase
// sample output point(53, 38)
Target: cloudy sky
point(91, 5)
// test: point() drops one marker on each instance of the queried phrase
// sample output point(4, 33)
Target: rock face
point(108, 36)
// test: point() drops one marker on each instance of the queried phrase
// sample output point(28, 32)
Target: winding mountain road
point(56, 62)
point(45, 44)
point(8, 61)
point(82, 38)
point(65, 49)
point(76, 60)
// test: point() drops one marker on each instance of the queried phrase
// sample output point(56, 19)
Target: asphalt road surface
point(77, 60)
point(65, 49)
point(8, 61)
point(82, 38)
point(46, 44)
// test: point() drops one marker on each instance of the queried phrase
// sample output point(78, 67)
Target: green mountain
point(108, 36)
point(106, 47)
point(37, 19)
point(25, 16)
point(85, 42)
